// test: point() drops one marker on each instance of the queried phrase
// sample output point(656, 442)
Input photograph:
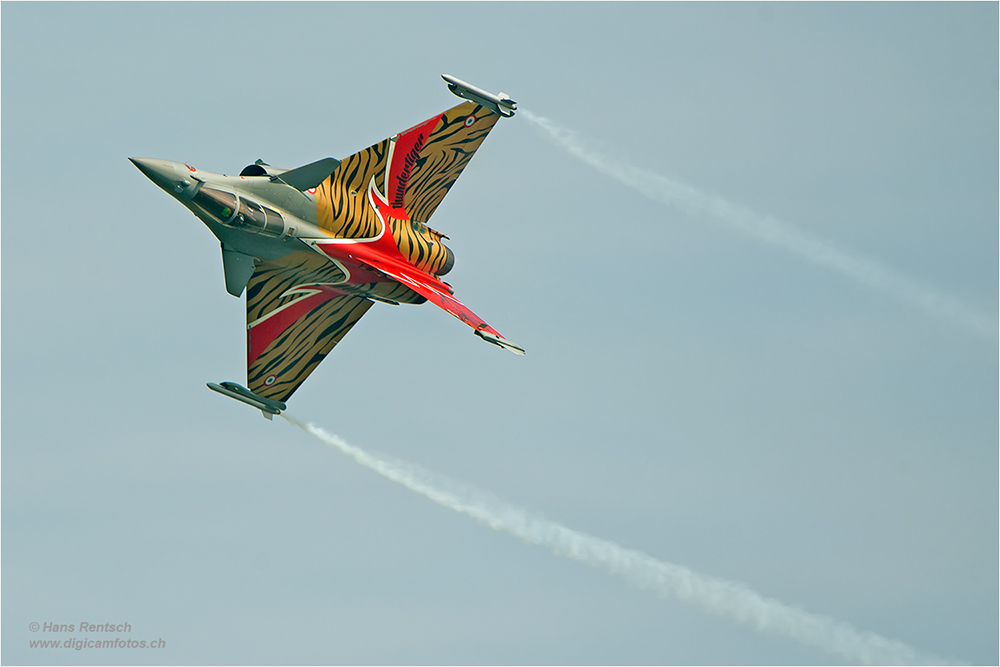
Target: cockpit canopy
point(240, 212)
point(220, 205)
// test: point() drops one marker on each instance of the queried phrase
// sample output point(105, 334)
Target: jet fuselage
point(313, 247)
point(288, 214)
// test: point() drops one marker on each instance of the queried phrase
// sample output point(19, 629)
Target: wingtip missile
point(268, 407)
point(500, 103)
point(500, 341)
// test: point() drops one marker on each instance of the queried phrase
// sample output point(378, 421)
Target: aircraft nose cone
point(170, 176)
point(160, 172)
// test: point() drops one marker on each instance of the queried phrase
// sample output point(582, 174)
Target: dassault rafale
point(315, 247)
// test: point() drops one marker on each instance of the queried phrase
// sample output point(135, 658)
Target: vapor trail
point(773, 231)
point(726, 598)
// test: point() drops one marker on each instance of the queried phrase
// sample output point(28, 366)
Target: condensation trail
point(726, 598)
point(773, 231)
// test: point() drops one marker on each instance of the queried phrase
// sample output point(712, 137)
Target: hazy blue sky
point(689, 390)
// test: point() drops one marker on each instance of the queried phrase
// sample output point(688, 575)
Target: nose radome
point(158, 171)
point(166, 174)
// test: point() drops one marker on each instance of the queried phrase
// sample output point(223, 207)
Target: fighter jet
point(314, 247)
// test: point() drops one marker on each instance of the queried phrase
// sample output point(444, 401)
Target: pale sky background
point(688, 390)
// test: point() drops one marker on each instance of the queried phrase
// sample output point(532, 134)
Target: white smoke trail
point(773, 231)
point(666, 579)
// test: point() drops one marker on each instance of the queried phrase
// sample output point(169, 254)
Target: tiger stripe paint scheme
point(402, 180)
point(336, 244)
point(298, 350)
point(341, 208)
point(456, 137)
point(422, 246)
point(296, 313)
point(394, 185)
